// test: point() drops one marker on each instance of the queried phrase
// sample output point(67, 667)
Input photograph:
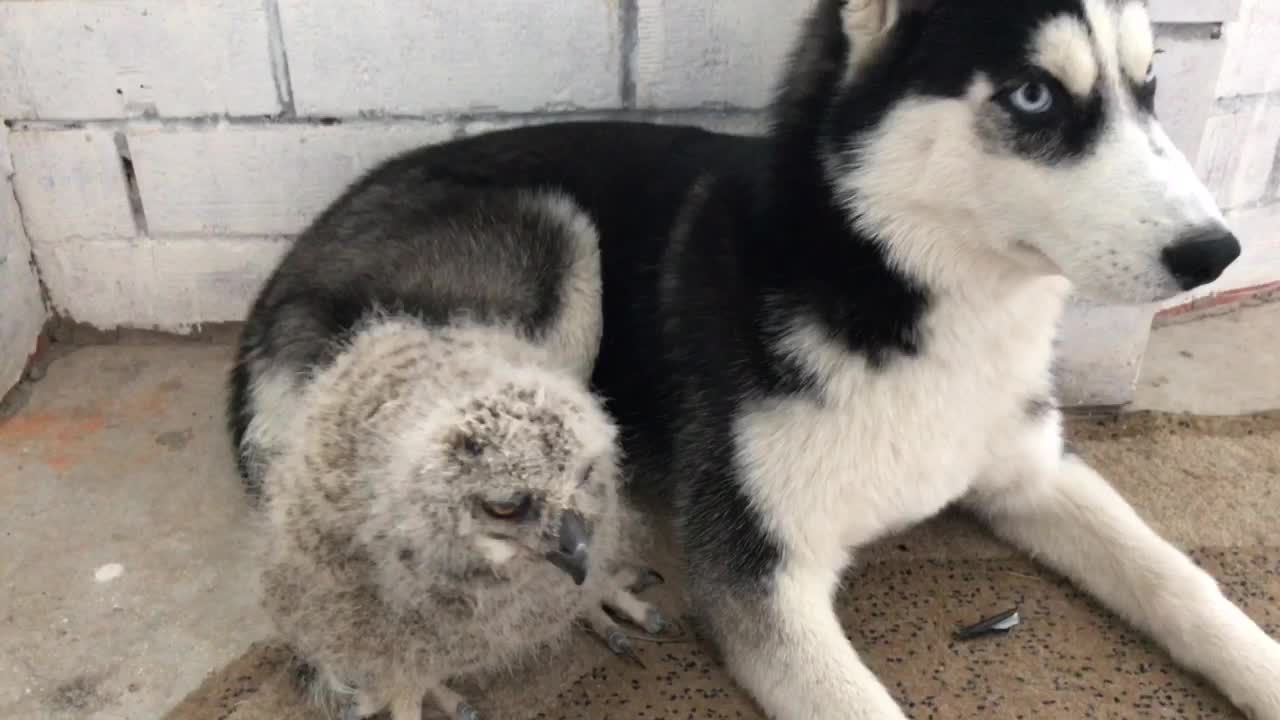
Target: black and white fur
point(826, 335)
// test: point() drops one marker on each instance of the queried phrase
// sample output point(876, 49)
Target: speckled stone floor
point(1068, 659)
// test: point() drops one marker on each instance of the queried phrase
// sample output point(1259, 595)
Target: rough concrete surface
point(125, 572)
point(1222, 365)
point(124, 569)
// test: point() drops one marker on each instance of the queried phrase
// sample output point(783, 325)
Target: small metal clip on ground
point(1002, 623)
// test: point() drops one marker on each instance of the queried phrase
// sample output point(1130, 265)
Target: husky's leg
point(784, 644)
point(1065, 514)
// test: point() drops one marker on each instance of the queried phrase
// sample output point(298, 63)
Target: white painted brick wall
point(1253, 50)
point(22, 312)
point(1188, 66)
point(418, 57)
point(1193, 11)
point(259, 180)
point(692, 53)
point(174, 284)
point(219, 105)
point(71, 186)
point(1240, 144)
point(1241, 178)
point(79, 59)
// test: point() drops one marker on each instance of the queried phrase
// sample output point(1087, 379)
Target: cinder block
point(1239, 152)
point(1194, 11)
point(694, 53)
point(431, 56)
point(158, 284)
point(22, 312)
point(1188, 65)
point(1091, 372)
point(1251, 67)
point(259, 180)
point(71, 185)
point(67, 59)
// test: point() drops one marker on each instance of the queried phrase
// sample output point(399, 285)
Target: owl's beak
point(572, 555)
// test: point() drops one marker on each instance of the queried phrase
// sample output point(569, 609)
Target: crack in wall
point(45, 298)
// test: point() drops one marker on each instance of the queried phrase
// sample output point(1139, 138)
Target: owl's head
point(528, 466)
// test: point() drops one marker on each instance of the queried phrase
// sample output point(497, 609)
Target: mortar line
point(722, 110)
point(279, 60)
point(629, 16)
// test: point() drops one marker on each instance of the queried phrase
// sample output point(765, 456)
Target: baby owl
point(449, 504)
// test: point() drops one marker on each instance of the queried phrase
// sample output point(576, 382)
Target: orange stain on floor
point(63, 439)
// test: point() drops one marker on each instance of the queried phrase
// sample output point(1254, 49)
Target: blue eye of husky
point(1031, 98)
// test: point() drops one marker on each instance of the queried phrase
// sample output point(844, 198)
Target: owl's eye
point(517, 508)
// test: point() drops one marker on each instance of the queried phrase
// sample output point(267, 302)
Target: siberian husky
point(825, 335)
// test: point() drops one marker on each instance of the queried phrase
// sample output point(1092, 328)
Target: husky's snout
point(1201, 256)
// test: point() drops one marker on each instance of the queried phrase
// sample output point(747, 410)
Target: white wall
point(165, 151)
point(1239, 154)
point(22, 311)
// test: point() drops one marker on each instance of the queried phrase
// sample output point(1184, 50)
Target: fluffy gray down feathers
point(382, 567)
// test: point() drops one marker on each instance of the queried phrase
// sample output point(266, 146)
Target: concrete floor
point(127, 563)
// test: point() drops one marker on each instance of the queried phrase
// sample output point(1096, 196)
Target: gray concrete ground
point(126, 564)
point(1220, 365)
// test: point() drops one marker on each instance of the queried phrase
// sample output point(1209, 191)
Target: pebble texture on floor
point(1069, 658)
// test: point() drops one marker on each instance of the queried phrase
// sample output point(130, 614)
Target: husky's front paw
point(1265, 708)
point(1257, 691)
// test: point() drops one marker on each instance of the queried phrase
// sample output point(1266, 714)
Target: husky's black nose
point(1200, 256)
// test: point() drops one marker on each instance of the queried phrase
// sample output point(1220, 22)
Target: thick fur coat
point(822, 336)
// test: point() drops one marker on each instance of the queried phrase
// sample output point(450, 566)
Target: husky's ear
point(868, 19)
point(867, 23)
point(836, 42)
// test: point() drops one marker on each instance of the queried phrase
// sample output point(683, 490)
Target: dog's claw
point(620, 645)
point(466, 712)
point(649, 578)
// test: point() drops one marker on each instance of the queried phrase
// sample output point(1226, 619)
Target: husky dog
point(825, 335)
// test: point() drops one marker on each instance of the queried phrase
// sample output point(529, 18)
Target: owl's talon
point(620, 645)
point(655, 623)
point(466, 712)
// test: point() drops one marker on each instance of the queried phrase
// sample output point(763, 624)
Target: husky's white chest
point(881, 449)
